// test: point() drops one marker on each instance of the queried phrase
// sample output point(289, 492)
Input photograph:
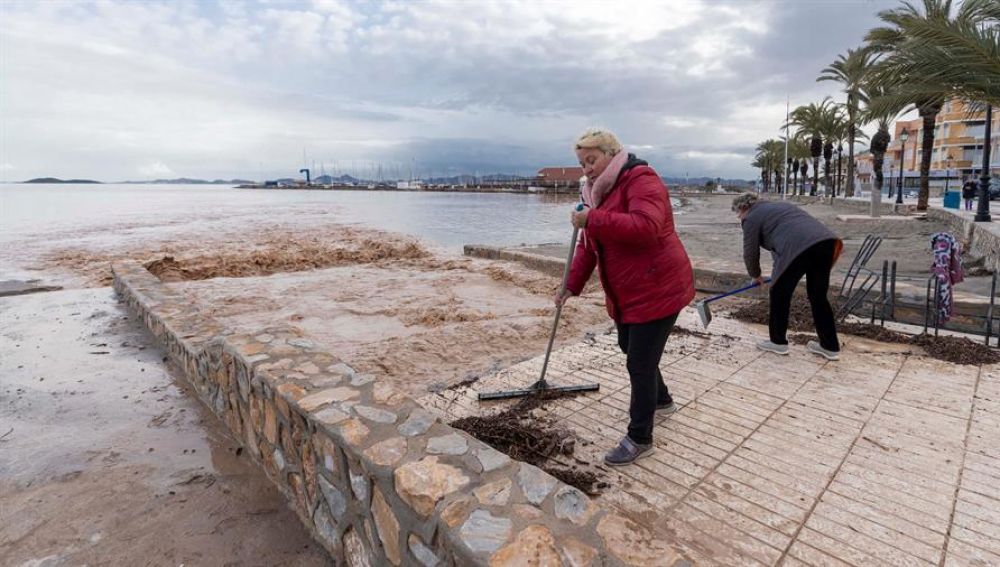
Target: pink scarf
point(594, 193)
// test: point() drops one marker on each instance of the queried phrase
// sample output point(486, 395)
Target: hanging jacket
point(947, 267)
point(630, 239)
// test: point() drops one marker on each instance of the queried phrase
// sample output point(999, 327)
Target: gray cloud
point(120, 90)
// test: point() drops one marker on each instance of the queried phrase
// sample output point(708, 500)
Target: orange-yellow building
point(958, 134)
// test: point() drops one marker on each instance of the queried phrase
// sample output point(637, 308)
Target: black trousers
point(815, 264)
point(643, 345)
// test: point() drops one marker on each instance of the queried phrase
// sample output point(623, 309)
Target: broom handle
point(562, 289)
point(735, 291)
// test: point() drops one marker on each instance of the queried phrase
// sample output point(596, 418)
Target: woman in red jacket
point(628, 234)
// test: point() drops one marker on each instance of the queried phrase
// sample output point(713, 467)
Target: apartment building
point(958, 133)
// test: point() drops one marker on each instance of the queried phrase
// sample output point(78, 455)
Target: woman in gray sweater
point(800, 246)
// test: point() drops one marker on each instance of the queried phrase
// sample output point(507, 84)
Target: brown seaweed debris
point(525, 437)
point(289, 257)
point(957, 350)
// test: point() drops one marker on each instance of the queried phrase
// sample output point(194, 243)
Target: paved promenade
point(886, 457)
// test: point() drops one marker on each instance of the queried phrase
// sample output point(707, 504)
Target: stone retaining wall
point(376, 478)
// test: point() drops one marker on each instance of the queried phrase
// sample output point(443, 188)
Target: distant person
point(628, 234)
point(969, 193)
point(800, 246)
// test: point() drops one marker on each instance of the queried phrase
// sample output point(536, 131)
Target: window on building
point(975, 129)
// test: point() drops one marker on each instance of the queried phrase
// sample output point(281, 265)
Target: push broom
point(705, 311)
point(541, 385)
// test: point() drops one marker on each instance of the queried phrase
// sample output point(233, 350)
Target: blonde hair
point(744, 201)
point(596, 138)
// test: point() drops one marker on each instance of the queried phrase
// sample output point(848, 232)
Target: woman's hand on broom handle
point(561, 296)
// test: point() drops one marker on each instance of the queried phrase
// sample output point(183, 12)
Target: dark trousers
point(815, 264)
point(643, 345)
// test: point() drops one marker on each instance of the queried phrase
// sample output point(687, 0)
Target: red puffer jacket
point(644, 269)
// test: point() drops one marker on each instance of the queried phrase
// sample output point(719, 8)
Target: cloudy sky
point(143, 89)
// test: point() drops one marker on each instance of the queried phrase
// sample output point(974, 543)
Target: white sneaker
point(771, 347)
point(815, 348)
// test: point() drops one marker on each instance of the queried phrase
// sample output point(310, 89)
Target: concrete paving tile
point(794, 512)
point(887, 535)
point(774, 484)
point(793, 479)
point(776, 522)
point(931, 509)
point(991, 491)
point(663, 486)
point(693, 438)
point(669, 472)
point(886, 554)
point(673, 448)
point(965, 554)
point(866, 452)
point(888, 511)
point(935, 494)
point(984, 502)
point(731, 411)
point(706, 422)
point(917, 478)
point(731, 545)
point(808, 474)
point(836, 548)
point(675, 461)
point(801, 425)
point(822, 416)
point(975, 539)
point(981, 527)
point(803, 554)
point(798, 449)
point(746, 524)
point(718, 418)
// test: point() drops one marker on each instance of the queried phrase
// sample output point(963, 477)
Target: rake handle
point(562, 289)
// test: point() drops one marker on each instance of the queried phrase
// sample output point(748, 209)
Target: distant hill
point(55, 180)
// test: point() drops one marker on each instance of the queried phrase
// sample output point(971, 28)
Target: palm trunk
point(878, 158)
point(928, 113)
point(826, 177)
point(815, 175)
point(849, 188)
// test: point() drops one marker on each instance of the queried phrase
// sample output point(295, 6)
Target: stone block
point(491, 459)
point(495, 493)
point(335, 499)
point(375, 414)
point(535, 483)
point(421, 552)
point(632, 543)
point(422, 483)
point(355, 552)
point(485, 533)
point(316, 400)
point(417, 423)
point(388, 452)
point(451, 444)
point(387, 526)
point(573, 505)
point(533, 546)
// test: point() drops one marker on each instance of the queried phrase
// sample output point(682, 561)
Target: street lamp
point(983, 210)
point(903, 136)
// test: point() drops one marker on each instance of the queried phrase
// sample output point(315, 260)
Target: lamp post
point(983, 210)
point(902, 152)
point(892, 180)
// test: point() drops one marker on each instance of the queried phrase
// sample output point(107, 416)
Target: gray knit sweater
point(783, 229)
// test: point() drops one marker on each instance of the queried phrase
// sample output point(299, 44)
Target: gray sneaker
point(627, 452)
point(670, 407)
point(771, 347)
point(815, 348)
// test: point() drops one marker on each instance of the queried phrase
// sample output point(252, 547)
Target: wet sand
point(108, 459)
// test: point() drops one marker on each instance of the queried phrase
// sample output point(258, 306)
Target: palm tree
point(931, 57)
point(881, 138)
point(810, 123)
point(852, 71)
point(804, 166)
point(769, 157)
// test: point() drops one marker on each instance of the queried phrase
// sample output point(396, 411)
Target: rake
point(705, 311)
point(541, 385)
